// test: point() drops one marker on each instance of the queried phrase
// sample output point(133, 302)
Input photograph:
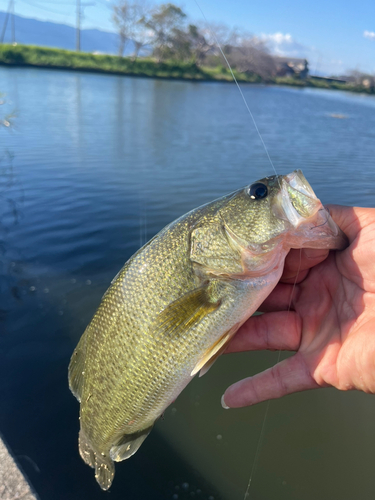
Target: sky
point(335, 36)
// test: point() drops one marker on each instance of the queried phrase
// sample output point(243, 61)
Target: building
point(291, 66)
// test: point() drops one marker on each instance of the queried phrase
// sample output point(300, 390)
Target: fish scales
point(123, 335)
point(177, 302)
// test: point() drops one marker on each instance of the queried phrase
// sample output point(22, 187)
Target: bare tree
point(199, 46)
point(251, 55)
point(219, 34)
point(130, 18)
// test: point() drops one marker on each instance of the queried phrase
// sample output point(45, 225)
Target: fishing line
point(323, 223)
point(238, 86)
point(258, 448)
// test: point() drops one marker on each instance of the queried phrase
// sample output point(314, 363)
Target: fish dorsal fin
point(76, 369)
point(188, 310)
point(211, 355)
point(129, 444)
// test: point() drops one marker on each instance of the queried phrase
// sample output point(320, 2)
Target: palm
point(324, 310)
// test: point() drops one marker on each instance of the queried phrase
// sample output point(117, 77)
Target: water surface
point(93, 167)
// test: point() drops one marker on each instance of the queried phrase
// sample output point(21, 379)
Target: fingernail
point(223, 403)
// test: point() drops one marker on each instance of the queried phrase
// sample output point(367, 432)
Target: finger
point(277, 331)
point(280, 298)
point(347, 218)
point(298, 262)
point(291, 375)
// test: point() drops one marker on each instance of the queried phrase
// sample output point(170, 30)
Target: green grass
point(28, 55)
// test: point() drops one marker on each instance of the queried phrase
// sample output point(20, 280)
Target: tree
point(199, 46)
point(167, 26)
point(130, 18)
point(250, 55)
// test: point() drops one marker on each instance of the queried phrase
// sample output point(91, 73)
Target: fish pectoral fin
point(128, 445)
point(211, 355)
point(76, 369)
point(188, 310)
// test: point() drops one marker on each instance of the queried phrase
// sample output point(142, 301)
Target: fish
point(177, 302)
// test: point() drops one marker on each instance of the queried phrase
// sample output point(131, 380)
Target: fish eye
point(258, 191)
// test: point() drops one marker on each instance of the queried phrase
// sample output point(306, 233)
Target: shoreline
point(13, 483)
point(29, 56)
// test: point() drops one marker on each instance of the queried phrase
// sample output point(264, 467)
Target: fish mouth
point(313, 226)
point(296, 200)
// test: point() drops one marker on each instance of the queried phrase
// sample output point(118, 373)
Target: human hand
point(330, 324)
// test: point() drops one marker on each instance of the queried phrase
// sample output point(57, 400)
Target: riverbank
point(45, 57)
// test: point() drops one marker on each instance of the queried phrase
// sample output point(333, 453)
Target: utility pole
point(6, 21)
point(79, 8)
point(78, 27)
point(13, 26)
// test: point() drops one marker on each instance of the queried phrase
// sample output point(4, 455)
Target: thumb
point(288, 376)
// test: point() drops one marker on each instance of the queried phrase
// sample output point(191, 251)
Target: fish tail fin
point(129, 444)
point(102, 463)
point(104, 471)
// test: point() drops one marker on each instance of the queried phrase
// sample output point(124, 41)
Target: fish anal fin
point(128, 445)
point(188, 310)
point(76, 369)
point(211, 355)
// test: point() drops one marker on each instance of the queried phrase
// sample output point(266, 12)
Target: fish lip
point(291, 184)
point(312, 223)
point(298, 181)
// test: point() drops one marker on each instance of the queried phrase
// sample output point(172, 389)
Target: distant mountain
point(44, 33)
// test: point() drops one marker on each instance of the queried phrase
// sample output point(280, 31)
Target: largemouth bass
point(175, 305)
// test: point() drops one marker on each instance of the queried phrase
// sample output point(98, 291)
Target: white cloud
point(369, 34)
point(282, 44)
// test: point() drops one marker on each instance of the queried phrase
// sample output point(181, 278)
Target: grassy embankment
point(43, 57)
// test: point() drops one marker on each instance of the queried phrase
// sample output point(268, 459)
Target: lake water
point(91, 168)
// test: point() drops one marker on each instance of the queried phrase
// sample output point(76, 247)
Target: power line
point(60, 3)
point(43, 8)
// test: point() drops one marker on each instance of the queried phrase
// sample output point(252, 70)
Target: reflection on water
point(100, 164)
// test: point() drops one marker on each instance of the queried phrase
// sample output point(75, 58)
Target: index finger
point(298, 262)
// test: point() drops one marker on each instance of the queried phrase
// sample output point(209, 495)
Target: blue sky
point(334, 35)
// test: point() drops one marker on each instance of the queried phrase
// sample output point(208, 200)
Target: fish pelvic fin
point(129, 444)
point(101, 462)
point(211, 355)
